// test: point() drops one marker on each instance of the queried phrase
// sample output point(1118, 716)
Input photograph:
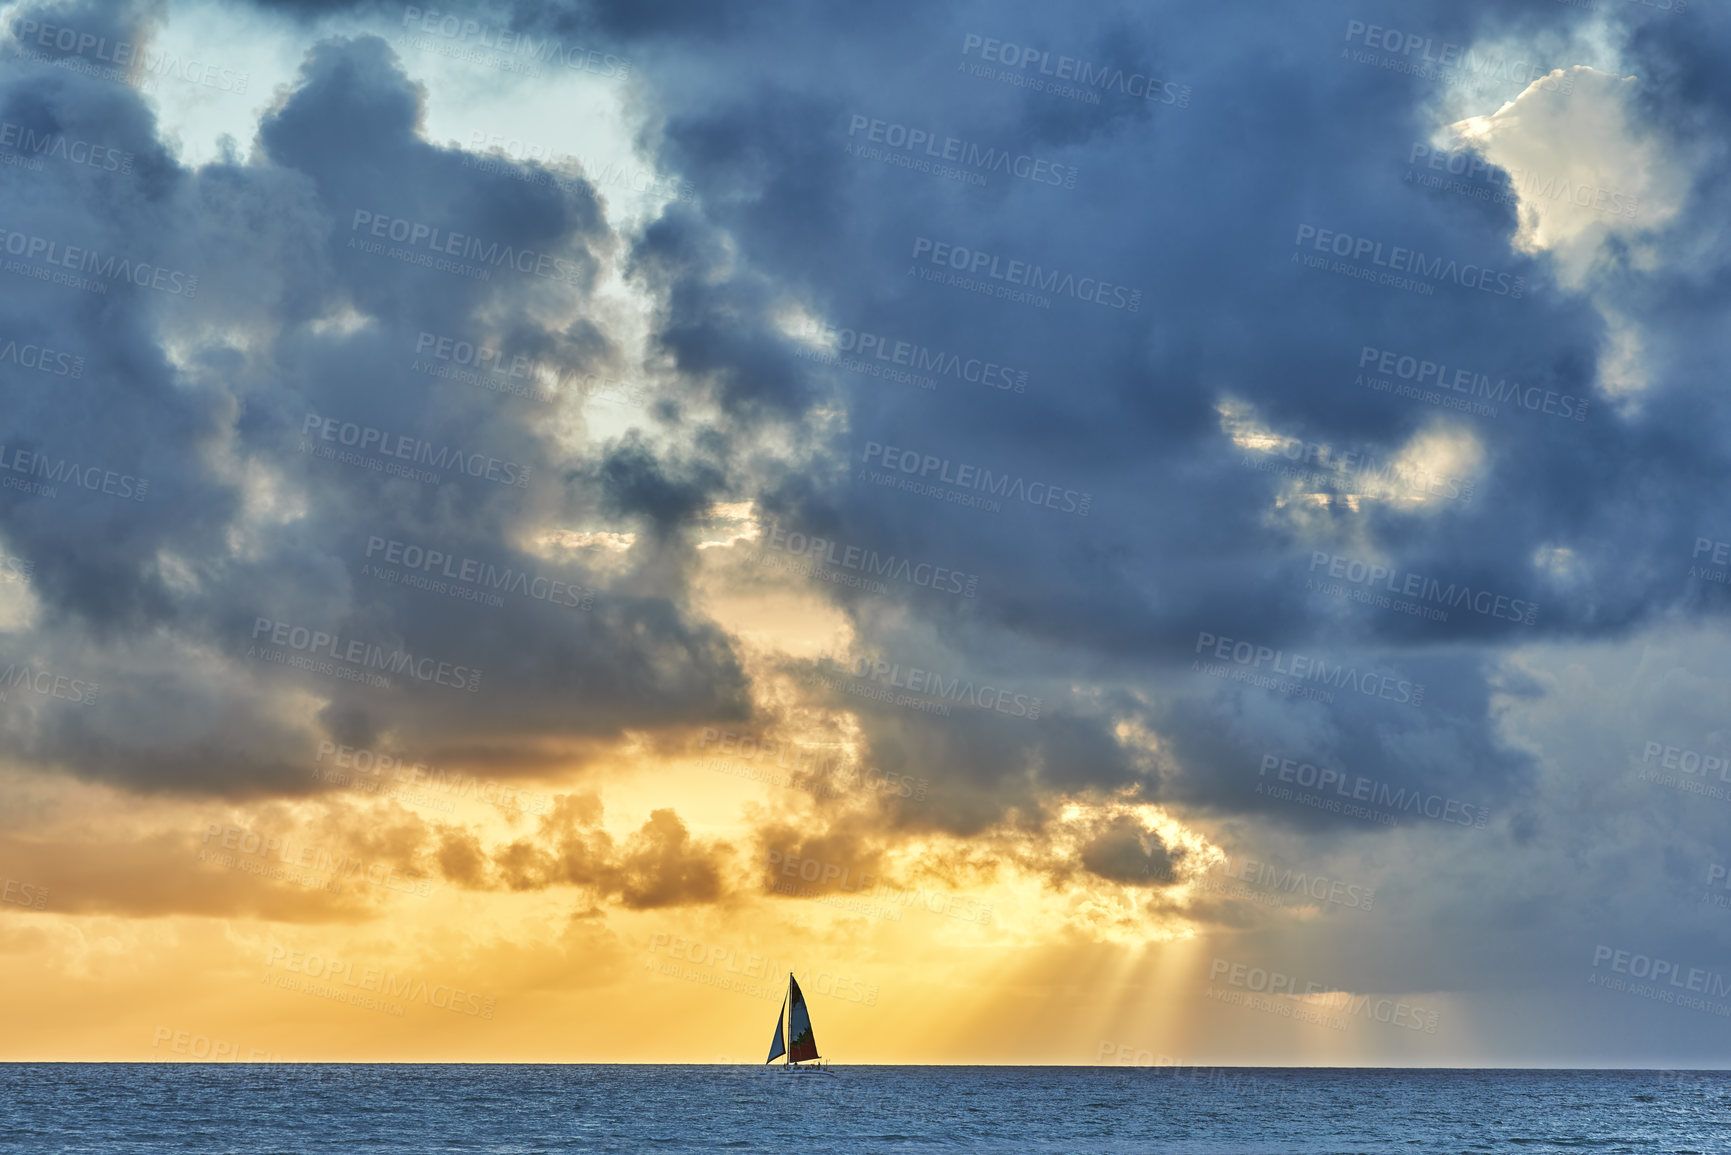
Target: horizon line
point(617, 1063)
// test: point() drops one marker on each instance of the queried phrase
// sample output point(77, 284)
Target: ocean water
point(231, 1107)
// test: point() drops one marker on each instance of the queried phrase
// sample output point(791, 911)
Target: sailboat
point(794, 1044)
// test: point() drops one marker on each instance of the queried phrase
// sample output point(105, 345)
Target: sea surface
point(234, 1107)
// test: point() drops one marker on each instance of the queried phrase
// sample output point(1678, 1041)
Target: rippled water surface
point(408, 1108)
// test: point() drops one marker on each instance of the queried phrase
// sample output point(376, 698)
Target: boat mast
point(787, 1058)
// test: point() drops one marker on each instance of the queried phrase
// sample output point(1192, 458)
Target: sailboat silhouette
point(794, 1043)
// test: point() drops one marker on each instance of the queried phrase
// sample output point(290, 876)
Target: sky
point(1167, 534)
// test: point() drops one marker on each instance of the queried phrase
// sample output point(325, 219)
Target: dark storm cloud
point(715, 322)
point(634, 482)
point(656, 19)
point(312, 9)
point(981, 766)
point(1445, 751)
point(1125, 852)
point(97, 550)
point(1183, 536)
point(318, 336)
